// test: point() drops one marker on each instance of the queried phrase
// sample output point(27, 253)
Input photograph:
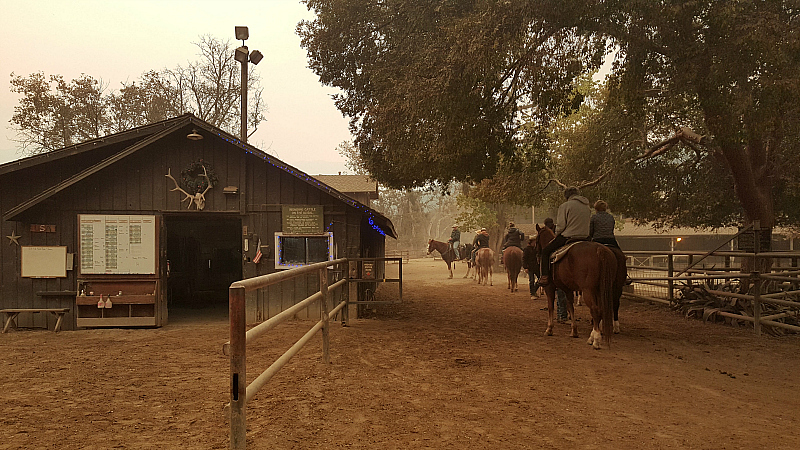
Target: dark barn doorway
point(204, 256)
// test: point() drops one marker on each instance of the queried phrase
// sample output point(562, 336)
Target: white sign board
point(118, 244)
point(44, 262)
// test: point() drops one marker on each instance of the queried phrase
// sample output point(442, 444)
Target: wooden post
point(352, 289)
point(323, 288)
point(236, 311)
point(756, 302)
point(401, 279)
point(671, 282)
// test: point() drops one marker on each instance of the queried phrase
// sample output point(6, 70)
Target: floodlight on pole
point(242, 55)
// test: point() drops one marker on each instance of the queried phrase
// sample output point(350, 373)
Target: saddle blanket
point(561, 252)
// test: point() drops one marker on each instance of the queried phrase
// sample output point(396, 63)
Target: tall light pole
point(244, 56)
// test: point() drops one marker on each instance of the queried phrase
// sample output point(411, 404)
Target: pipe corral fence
point(762, 279)
point(357, 270)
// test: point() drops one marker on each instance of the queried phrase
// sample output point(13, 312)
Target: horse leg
point(571, 312)
point(450, 268)
point(490, 276)
point(597, 316)
point(616, 313)
point(550, 291)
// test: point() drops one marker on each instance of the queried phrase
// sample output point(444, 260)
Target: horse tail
point(605, 297)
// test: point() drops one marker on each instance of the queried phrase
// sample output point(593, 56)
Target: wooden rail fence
point(358, 270)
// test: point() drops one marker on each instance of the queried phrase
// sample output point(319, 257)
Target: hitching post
point(236, 299)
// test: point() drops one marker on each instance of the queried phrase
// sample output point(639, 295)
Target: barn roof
point(351, 184)
point(143, 136)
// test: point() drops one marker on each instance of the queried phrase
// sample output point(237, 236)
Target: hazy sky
point(118, 40)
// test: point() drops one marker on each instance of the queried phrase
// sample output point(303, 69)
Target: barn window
point(294, 250)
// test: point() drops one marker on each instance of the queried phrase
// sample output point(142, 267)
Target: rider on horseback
point(455, 240)
point(513, 237)
point(572, 224)
point(481, 241)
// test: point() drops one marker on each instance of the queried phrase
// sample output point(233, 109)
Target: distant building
point(360, 188)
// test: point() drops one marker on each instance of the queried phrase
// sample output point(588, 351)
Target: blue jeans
point(561, 311)
point(455, 248)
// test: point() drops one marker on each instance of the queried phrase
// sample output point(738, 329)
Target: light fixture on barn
point(243, 55)
point(194, 135)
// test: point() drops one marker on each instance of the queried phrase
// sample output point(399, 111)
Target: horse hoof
point(616, 327)
point(548, 332)
point(590, 341)
point(596, 345)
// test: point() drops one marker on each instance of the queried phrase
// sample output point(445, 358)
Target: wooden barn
point(122, 229)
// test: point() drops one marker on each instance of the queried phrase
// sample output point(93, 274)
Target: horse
point(444, 249)
point(484, 260)
point(466, 255)
point(590, 268)
point(512, 260)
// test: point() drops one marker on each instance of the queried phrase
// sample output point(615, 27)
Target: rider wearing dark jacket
point(481, 241)
point(513, 237)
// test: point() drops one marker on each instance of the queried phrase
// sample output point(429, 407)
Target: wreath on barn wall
point(193, 179)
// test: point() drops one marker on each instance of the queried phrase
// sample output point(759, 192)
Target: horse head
point(543, 237)
point(430, 246)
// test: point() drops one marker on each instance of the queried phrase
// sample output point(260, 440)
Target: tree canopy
point(53, 113)
point(696, 125)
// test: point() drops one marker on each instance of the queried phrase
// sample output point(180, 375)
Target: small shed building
point(358, 187)
point(123, 228)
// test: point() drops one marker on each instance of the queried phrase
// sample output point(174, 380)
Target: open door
point(204, 256)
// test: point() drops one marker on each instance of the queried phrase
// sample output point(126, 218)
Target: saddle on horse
point(556, 256)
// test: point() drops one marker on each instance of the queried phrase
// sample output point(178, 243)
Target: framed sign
point(44, 262)
point(117, 244)
point(300, 219)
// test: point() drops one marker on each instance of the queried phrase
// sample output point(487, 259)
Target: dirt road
point(456, 366)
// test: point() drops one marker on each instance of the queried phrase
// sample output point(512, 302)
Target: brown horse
point(444, 249)
point(512, 260)
point(484, 260)
point(590, 268)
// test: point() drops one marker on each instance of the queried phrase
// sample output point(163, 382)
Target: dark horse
point(466, 255)
point(444, 249)
point(512, 260)
point(590, 268)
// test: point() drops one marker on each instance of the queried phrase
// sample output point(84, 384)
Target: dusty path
point(455, 366)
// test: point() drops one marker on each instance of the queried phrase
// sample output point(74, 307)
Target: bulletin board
point(118, 244)
point(44, 262)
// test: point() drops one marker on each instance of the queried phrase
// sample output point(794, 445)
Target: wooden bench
point(11, 315)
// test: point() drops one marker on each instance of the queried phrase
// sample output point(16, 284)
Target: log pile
point(698, 301)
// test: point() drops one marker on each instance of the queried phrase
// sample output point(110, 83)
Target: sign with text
point(118, 244)
point(300, 219)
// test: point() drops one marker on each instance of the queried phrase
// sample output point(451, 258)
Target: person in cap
point(455, 240)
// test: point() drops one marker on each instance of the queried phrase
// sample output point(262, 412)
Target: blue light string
point(305, 177)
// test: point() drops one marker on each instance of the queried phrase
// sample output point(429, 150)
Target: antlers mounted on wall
point(199, 199)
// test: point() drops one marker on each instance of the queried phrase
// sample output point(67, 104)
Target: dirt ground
point(455, 366)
